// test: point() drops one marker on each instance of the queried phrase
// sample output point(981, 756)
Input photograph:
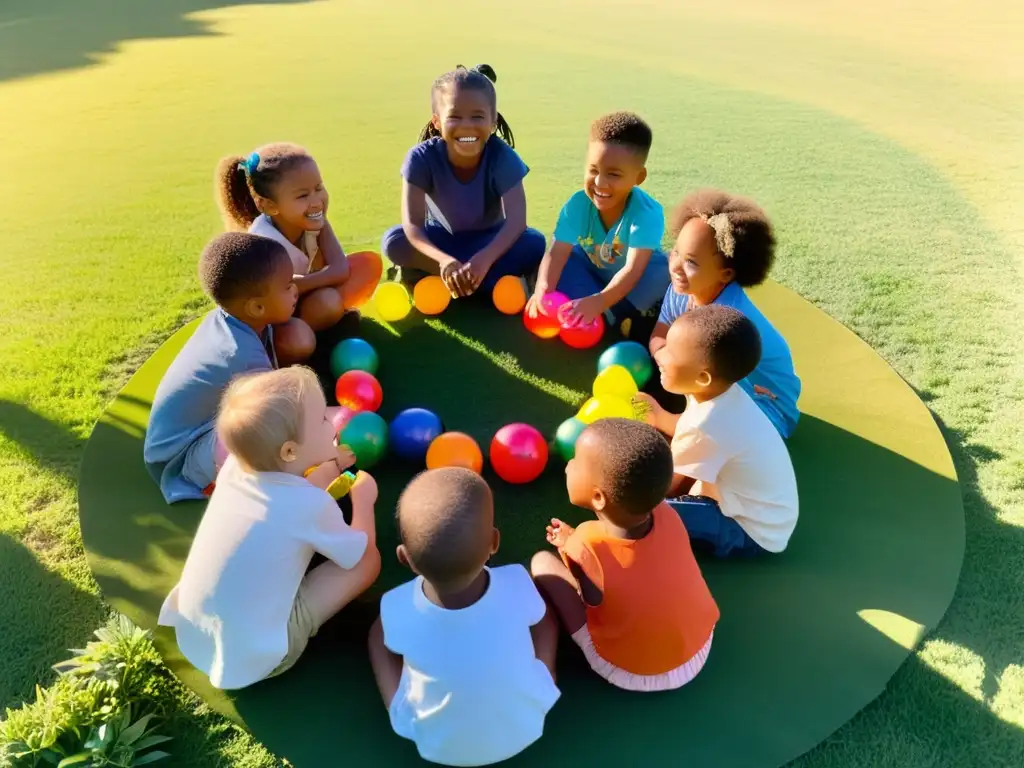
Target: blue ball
point(353, 355)
point(412, 431)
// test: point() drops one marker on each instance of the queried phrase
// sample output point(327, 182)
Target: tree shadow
point(38, 36)
point(51, 445)
point(42, 615)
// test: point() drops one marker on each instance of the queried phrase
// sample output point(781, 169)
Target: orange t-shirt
point(657, 611)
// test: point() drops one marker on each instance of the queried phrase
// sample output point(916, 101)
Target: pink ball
point(519, 453)
point(359, 391)
point(339, 418)
point(584, 335)
point(552, 302)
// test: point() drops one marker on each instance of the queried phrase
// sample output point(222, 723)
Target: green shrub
point(85, 718)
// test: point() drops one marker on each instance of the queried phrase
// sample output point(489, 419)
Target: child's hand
point(364, 490)
point(646, 404)
point(449, 271)
point(476, 270)
point(533, 306)
point(345, 457)
point(558, 533)
point(585, 310)
point(323, 475)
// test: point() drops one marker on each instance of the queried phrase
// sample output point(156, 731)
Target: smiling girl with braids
point(463, 204)
point(277, 192)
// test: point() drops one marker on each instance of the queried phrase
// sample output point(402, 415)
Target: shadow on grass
point(42, 615)
point(38, 36)
point(51, 445)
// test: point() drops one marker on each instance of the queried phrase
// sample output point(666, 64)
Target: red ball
point(584, 335)
point(359, 391)
point(543, 326)
point(519, 453)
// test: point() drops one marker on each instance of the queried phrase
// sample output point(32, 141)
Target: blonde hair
point(239, 180)
point(260, 412)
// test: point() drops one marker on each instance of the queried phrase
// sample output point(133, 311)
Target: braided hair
point(480, 78)
point(239, 180)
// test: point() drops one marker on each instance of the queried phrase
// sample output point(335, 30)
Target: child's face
point(611, 172)
point(317, 443)
point(695, 265)
point(465, 119)
point(277, 304)
point(300, 199)
point(681, 361)
point(581, 474)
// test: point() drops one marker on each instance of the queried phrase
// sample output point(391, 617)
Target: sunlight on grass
point(899, 629)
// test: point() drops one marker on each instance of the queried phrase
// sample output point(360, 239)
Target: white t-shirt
point(231, 607)
point(729, 443)
point(302, 258)
point(473, 691)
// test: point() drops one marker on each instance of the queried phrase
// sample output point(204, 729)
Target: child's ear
point(254, 308)
point(598, 500)
point(435, 120)
point(704, 378)
point(641, 177)
point(728, 275)
point(403, 557)
point(289, 451)
point(265, 205)
point(496, 542)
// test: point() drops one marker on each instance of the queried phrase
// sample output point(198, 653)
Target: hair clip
point(251, 163)
point(725, 238)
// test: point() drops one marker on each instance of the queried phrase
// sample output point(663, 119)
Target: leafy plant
point(119, 744)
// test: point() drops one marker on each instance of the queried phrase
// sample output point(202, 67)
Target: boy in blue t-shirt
point(250, 278)
point(606, 253)
point(725, 244)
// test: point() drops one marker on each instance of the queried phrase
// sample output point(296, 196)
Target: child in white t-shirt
point(464, 655)
point(245, 606)
point(734, 485)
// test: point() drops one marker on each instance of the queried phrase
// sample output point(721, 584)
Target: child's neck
point(458, 598)
point(611, 216)
point(707, 298)
point(292, 234)
point(710, 392)
point(633, 532)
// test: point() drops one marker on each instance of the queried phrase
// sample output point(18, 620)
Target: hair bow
point(251, 163)
point(725, 238)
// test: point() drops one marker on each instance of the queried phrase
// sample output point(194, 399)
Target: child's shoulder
point(426, 150)
point(642, 204)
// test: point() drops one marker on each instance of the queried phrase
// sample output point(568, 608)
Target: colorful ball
point(565, 438)
point(508, 295)
point(519, 453)
point(431, 296)
point(583, 335)
point(455, 449)
point(597, 408)
point(366, 434)
point(552, 302)
point(340, 417)
point(358, 391)
point(353, 355)
point(392, 301)
point(615, 381)
point(542, 326)
point(630, 355)
point(412, 432)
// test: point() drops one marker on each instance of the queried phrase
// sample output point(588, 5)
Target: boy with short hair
point(464, 654)
point(250, 279)
point(734, 484)
point(606, 254)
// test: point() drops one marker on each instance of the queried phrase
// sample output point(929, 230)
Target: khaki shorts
point(301, 627)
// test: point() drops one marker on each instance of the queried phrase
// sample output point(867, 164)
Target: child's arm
point(335, 271)
point(550, 271)
point(558, 535)
point(656, 416)
point(514, 204)
point(364, 496)
point(588, 308)
point(414, 215)
point(387, 666)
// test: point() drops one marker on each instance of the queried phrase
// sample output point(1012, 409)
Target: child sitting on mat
point(626, 586)
point(723, 245)
point(606, 253)
point(464, 654)
point(245, 607)
point(250, 279)
point(277, 192)
point(734, 485)
point(463, 203)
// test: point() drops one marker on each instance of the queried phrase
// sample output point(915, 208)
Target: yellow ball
point(597, 408)
point(615, 381)
point(509, 296)
point(431, 296)
point(392, 301)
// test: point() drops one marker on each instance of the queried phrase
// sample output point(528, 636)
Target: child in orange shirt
point(627, 587)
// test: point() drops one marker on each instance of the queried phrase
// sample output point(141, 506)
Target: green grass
point(885, 143)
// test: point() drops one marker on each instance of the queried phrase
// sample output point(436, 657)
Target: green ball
point(566, 436)
point(366, 434)
point(353, 355)
point(632, 356)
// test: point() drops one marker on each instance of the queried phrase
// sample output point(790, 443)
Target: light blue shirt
point(774, 373)
point(641, 226)
point(186, 402)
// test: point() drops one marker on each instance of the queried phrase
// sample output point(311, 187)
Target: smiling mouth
point(318, 216)
point(602, 195)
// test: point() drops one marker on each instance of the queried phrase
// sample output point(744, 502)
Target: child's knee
point(545, 563)
point(532, 243)
point(396, 246)
point(322, 308)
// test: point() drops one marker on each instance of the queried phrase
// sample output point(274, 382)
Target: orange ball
point(455, 449)
point(431, 296)
point(509, 296)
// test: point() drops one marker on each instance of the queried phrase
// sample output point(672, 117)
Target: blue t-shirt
point(774, 373)
point(641, 226)
point(464, 206)
point(186, 402)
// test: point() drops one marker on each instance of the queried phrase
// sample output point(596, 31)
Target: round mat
point(806, 639)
